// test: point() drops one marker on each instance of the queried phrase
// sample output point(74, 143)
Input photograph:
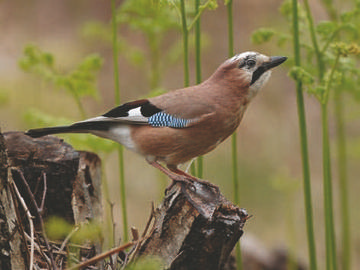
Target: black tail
point(39, 132)
point(80, 127)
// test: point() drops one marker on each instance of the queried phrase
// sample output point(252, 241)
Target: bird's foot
point(201, 194)
point(192, 183)
point(183, 180)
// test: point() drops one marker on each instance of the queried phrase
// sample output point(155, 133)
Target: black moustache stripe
point(257, 74)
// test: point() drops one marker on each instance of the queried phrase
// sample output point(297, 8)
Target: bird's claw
point(183, 180)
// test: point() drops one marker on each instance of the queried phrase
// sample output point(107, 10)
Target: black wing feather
point(147, 109)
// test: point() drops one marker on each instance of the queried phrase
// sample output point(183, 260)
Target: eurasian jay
point(182, 124)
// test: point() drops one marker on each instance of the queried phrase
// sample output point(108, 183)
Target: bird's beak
point(274, 62)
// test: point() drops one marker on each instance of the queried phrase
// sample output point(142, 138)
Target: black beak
point(274, 62)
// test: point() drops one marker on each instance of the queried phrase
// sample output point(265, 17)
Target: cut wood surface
point(194, 228)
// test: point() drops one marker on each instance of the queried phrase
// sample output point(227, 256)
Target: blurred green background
point(268, 140)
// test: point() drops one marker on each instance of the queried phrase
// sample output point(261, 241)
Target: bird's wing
point(186, 106)
point(144, 112)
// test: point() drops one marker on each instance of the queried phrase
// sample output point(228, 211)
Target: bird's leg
point(180, 172)
point(193, 178)
point(175, 177)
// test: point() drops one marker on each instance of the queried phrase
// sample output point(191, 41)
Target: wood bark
point(195, 228)
point(11, 255)
point(67, 183)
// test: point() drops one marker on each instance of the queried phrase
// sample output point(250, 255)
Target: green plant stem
point(230, 29)
point(320, 62)
point(185, 34)
point(330, 242)
point(200, 160)
point(341, 154)
point(78, 102)
point(304, 145)
point(234, 157)
point(343, 185)
point(198, 12)
point(328, 197)
point(117, 101)
point(331, 261)
point(185, 43)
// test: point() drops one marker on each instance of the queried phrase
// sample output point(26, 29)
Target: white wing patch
point(134, 115)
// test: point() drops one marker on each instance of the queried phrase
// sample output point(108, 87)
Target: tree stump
point(194, 228)
point(54, 180)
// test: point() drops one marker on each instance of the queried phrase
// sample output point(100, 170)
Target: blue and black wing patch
point(162, 119)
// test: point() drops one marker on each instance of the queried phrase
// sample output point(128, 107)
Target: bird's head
point(248, 71)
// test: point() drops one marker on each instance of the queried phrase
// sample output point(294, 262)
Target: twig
point(103, 255)
point(38, 213)
point(41, 209)
point(128, 255)
point(112, 220)
point(39, 249)
point(138, 245)
point(18, 217)
point(66, 241)
point(31, 224)
point(135, 233)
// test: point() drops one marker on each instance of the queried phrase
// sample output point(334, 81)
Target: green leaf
point(348, 16)
point(80, 82)
point(317, 91)
point(326, 28)
point(262, 35)
point(344, 49)
point(34, 117)
point(87, 232)
point(212, 4)
point(300, 74)
point(57, 228)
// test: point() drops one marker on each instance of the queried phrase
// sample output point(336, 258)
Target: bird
point(175, 127)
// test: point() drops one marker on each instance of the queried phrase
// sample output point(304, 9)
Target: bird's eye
point(250, 63)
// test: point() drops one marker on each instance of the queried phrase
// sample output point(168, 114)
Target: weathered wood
point(185, 239)
point(11, 256)
point(52, 157)
point(86, 201)
point(48, 172)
